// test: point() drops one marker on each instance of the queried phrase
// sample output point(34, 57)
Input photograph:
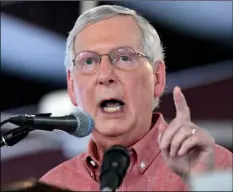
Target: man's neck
point(102, 143)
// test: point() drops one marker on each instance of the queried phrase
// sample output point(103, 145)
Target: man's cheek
point(80, 95)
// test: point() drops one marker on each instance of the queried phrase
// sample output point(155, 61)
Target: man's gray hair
point(151, 43)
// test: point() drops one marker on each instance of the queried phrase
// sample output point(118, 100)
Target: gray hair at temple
point(151, 43)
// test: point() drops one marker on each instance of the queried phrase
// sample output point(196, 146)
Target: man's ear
point(70, 87)
point(159, 70)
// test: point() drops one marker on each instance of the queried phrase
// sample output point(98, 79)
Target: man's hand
point(186, 148)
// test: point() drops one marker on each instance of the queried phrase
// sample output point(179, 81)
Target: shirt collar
point(148, 148)
point(145, 150)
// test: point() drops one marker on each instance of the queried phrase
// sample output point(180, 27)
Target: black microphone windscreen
point(116, 161)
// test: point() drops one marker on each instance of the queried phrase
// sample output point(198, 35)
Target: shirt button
point(142, 165)
point(92, 163)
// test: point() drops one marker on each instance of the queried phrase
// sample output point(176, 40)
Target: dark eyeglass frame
point(109, 54)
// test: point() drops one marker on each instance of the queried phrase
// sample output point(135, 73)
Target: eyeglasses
point(122, 58)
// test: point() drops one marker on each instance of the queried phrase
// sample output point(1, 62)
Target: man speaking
point(116, 73)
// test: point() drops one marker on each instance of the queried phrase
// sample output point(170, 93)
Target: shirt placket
point(126, 180)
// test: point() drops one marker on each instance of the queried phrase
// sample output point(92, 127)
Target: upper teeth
point(112, 109)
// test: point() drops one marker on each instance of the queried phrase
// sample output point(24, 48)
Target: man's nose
point(106, 72)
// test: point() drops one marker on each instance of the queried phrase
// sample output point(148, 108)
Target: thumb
point(162, 127)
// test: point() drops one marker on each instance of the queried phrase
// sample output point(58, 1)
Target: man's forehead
point(109, 33)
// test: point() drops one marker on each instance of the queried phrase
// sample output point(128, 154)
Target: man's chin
point(111, 131)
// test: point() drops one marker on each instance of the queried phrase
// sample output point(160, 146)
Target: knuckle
point(183, 129)
point(163, 146)
point(174, 123)
point(189, 124)
point(174, 144)
point(187, 142)
point(194, 141)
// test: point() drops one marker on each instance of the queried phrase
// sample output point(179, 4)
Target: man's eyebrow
point(116, 47)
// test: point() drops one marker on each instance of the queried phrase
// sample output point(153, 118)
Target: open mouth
point(112, 105)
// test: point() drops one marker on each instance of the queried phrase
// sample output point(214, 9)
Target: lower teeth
point(112, 109)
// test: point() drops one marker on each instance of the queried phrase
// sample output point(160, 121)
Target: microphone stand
point(14, 136)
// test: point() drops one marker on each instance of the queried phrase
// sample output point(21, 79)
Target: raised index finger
point(182, 109)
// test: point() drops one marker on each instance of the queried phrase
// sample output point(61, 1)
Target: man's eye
point(125, 58)
point(88, 61)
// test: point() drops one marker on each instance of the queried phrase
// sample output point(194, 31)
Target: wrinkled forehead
point(108, 34)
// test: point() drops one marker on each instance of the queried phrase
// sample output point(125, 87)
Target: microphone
point(116, 161)
point(78, 124)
